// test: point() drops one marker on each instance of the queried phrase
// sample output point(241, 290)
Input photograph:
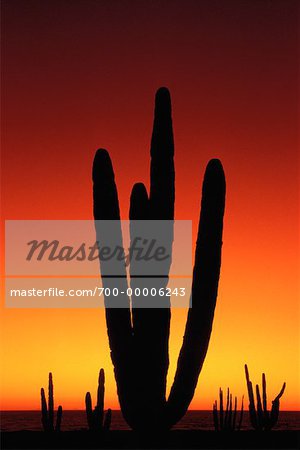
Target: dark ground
point(177, 439)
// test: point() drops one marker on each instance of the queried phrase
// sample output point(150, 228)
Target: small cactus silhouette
point(48, 413)
point(139, 341)
point(262, 419)
point(227, 422)
point(95, 418)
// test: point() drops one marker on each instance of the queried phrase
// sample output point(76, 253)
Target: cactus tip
point(163, 101)
point(163, 91)
point(102, 164)
point(214, 164)
point(282, 391)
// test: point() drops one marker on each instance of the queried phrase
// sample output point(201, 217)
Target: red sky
point(82, 75)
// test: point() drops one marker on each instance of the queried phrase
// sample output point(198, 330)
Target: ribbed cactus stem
point(226, 411)
point(107, 420)
point(234, 413)
point(241, 415)
point(230, 412)
point(264, 392)
point(50, 402)
point(58, 418)
point(100, 396)
point(221, 409)
point(264, 399)
point(252, 411)
point(88, 409)
point(44, 410)
point(260, 416)
point(215, 416)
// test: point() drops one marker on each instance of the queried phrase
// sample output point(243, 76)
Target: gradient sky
point(78, 75)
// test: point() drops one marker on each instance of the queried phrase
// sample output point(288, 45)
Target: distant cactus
point(95, 419)
point(229, 421)
point(48, 413)
point(261, 419)
point(139, 341)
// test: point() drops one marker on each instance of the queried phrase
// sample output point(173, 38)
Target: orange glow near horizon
point(84, 77)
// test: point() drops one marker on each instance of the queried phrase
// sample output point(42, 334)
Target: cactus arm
point(204, 292)
point(141, 317)
point(281, 392)
point(44, 411)
point(100, 398)
point(230, 412)
point(264, 390)
point(265, 406)
point(89, 410)
point(234, 414)
point(148, 376)
point(118, 320)
point(260, 416)
point(252, 411)
point(227, 410)
point(107, 420)
point(139, 210)
point(215, 416)
point(50, 403)
point(274, 415)
point(241, 415)
point(58, 418)
point(221, 409)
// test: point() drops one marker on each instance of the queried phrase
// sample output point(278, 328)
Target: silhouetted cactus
point(95, 418)
point(48, 413)
point(261, 419)
point(139, 350)
point(227, 422)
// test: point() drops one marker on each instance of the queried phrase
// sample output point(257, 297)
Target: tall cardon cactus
point(48, 412)
point(227, 421)
point(96, 419)
point(261, 419)
point(139, 339)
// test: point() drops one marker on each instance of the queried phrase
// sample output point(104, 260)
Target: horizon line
point(105, 409)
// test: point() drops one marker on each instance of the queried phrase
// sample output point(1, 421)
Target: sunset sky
point(82, 74)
